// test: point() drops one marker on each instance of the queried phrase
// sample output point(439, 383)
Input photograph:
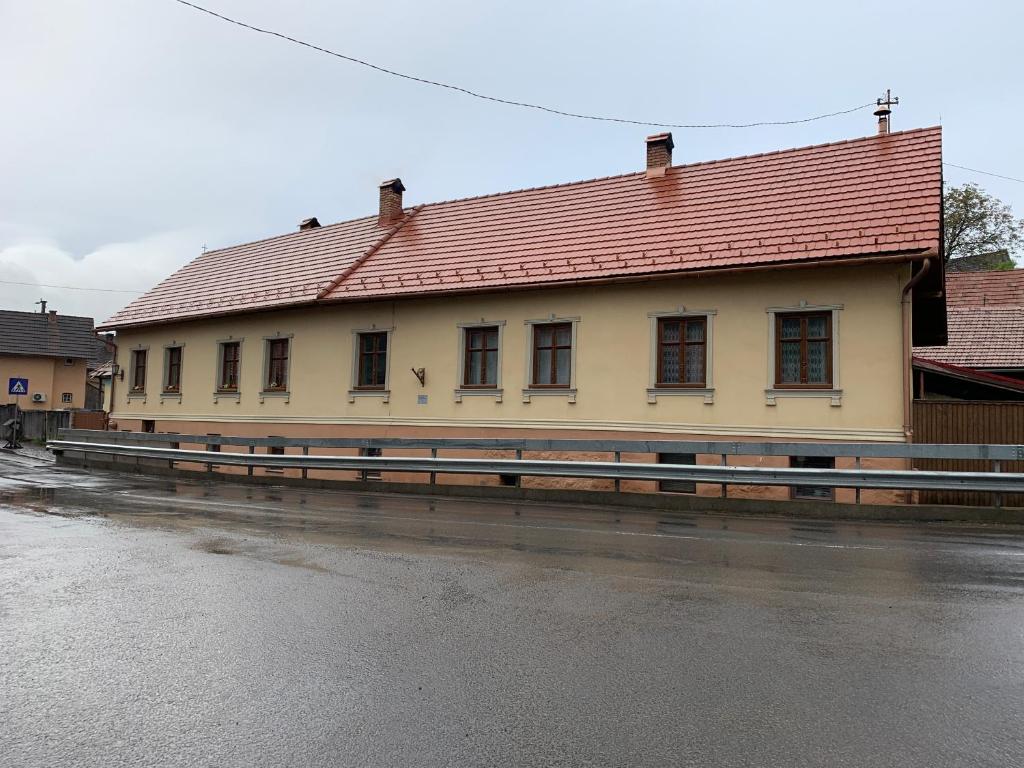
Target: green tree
point(976, 222)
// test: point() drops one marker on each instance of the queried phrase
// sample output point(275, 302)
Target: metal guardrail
point(713, 447)
point(997, 482)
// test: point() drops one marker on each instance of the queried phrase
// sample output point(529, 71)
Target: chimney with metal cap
point(390, 202)
point(659, 154)
point(884, 110)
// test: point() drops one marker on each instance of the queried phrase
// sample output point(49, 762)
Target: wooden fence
point(968, 421)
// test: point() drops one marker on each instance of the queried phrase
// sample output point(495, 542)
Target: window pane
point(789, 365)
point(562, 371)
point(695, 364)
point(492, 367)
point(563, 335)
point(382, 341)
point(817, 362)
point(670, 331)
point(790, 328)
point(475, 358)
point(366, 370)
point(492, 339)
point(670, 365)
point(366, 340)
point(543, 335)
point(695, 330)
point(816, 326)
point(543, 373)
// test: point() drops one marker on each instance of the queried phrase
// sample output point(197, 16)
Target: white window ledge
point(383, 394)
point(708, 393)
point(236, 396)
point(494, 392)
point(137, 396)
point(176, 396)
point(566, 392)
point(835, 395)
point(285, 395)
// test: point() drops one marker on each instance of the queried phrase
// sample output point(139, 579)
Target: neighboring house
point(981, 262)
point(100, 368)
point(986, 337)
point(52, 352)
point(760, 297)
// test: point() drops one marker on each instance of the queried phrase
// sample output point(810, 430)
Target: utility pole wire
point(510, 102)
point(73, 287)
point(984, 173)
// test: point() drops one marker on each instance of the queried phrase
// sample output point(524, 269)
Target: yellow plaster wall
point(612, 360)
point(40, 374)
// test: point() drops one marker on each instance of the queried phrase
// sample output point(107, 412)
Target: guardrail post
point(249, 469)
point(305, 471)
point(519, 478)
point(997, 466)
point(433, 475)
point(618, 458)
point(856, 491)
point(725, 462)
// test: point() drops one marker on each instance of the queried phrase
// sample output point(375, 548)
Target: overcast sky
point(135, 132)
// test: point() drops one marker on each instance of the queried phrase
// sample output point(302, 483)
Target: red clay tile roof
point(981, 337)
point(976, 289)
point(879, 195)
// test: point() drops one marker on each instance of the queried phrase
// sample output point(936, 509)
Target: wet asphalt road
point(152, 623)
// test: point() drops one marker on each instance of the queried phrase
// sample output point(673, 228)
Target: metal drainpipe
point(908, 347)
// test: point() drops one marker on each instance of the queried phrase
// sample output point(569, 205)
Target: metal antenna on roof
point(885, 105)
point(42, 307)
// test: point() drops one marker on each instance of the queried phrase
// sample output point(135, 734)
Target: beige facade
point(60, 381)
point(612, 372)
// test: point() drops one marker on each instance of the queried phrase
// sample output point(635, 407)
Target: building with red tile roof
point(773, 296)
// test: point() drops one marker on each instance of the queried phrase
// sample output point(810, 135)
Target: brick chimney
point(659, 154)
point(390, 202)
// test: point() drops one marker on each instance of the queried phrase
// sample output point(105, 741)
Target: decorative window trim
point(274, 393)
point(354, 390)
point(529, 391)
point(229, 394)
point(137, 394)
point(708, 390)
point(172, 394)
point(461, 390)
point(772, 392)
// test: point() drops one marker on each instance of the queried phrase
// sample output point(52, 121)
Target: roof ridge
point(380, 242)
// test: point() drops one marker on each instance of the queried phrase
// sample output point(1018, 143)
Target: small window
point(370, 474)
point(66, 397)
point(69, 361)
point(138, 370)
point(148, 425)
point(682, 352)
point(812, 491)
point(372, 364)
point(277, 365)
point(803, 350)
point(552, 355)
point(172, 376)
point(677, 486)
point(230, 354)
point(481, 365)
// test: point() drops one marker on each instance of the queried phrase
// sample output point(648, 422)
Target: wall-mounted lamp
point(117, 370)
point(421, 374)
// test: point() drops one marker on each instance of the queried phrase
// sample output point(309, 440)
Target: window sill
point(566, 392)
point(136, 395)
point(494, 392)
point(227, 395)
point(835, 395)
point(708, 393)
point(170, 396)
point(276, 393)
point(384, 394)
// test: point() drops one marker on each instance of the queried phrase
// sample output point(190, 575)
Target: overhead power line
point(510, 102)
point(72, 287)
point(984, 173)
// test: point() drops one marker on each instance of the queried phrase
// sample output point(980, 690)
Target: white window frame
point(708, 390)
point(383, 394)
point(771, 392)
point(285, 393)
point(135, 394)
point(218, 367)
point(529, 391)
point(461, 391)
